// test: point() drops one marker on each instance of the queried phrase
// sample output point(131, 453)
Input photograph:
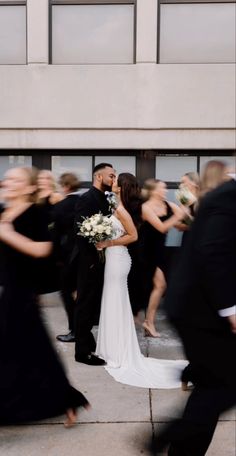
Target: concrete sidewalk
point(122, 418)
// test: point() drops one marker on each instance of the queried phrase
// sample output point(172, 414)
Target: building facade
point(145, 84)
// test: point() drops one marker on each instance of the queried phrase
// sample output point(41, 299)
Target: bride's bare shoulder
point(121, 213)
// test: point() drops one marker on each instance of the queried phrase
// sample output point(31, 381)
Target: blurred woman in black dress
point(47, 197)
point(214, 174)
point(33, 385)
point(135, 276)
point(159, 216)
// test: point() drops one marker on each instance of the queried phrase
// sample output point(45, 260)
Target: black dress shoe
point(91, 360)
point(70, 337)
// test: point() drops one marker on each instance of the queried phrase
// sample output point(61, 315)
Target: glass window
point(174, 237)
point(12, 34)
point(120, 164)
point(230, 161)
point(13, 161)
point(170, 169)
point(197, 33)
point(81, 166)
point(92, 34)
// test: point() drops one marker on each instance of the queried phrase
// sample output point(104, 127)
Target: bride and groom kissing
point(104, 286)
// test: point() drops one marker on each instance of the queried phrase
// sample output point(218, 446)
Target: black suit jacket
point(205, 280)
point(90, 203)
point(63, 215)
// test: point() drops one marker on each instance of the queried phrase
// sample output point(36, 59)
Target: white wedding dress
point(117, 341)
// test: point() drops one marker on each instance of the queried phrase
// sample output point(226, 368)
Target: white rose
point(87, 226)
point(100, 229)
point(108, 231)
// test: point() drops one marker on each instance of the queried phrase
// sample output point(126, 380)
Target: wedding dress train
point(117, 341)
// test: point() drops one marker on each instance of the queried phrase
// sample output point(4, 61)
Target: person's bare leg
point(159, 287)
point(138, 319)
point(71, 416)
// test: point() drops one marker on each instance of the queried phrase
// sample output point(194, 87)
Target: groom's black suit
point(204, 284)
point(90, 275)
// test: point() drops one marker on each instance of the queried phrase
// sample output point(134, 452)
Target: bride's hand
point(101, 245)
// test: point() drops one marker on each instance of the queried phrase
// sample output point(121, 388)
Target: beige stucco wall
point(117, 139)
point(125, 96)
point(124, 106)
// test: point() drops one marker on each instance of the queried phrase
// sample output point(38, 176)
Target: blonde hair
point(148, 187)
point(194, 178)
point(32, 175)
point(212, 176)
point(49, 174)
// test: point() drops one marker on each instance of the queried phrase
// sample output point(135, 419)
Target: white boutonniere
point(112, 200)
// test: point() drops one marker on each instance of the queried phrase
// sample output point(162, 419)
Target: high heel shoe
point(149, 331)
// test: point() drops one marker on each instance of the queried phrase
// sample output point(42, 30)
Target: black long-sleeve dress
point(33, 384)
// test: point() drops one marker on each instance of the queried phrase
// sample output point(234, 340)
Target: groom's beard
point(106, 188)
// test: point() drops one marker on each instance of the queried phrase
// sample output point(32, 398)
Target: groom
point(90, 269)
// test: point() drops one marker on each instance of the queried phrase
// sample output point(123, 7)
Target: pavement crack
point(150, 402)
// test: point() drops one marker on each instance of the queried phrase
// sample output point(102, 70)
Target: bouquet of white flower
point(184, 196)
point(96, 228)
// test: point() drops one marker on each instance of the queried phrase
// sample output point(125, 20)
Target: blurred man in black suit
point(64, 240)
point(200, 303)
point(90, 269)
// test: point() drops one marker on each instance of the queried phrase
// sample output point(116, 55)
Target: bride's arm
point(130, 235)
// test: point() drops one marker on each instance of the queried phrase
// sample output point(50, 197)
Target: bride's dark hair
point(130, 195)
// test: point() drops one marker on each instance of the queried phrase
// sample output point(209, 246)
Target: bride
point(117, 341)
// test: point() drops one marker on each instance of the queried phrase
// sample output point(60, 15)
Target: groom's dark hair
point(101, 166)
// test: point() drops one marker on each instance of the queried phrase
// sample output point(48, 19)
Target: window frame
point(13, 3)
point(52, 3)
point(18, 3)
point(175, 2)
point(145, 158)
